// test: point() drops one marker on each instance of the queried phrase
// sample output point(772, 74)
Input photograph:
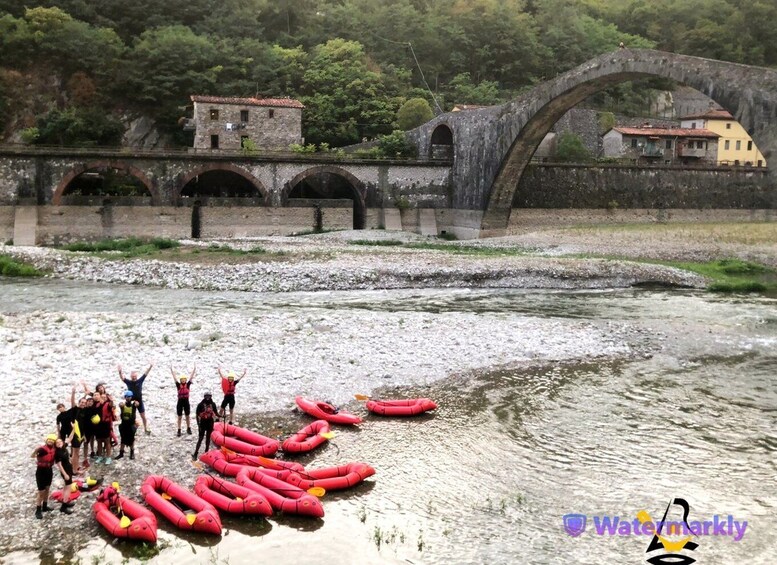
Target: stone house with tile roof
point(653, 145)
point(224, 123)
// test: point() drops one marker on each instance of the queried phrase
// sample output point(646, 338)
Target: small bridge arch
point(185, 179)
point(123, 166)
point(356, 186)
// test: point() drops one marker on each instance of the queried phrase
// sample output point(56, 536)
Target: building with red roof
point(650, 145)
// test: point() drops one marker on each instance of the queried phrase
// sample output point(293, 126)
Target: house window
point(243, 115)
point(728, 126)
point(699, 145)
point(270, 113)
point(760, 163)
point(214, 141)
point(634, 143)
point(668, 143)
point(739, 145)
point(726, 145)
point(749, 145)
point(693, 125)
point(214, 114)
point(736, 163)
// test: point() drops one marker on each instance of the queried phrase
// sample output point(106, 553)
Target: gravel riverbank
point(327, 353)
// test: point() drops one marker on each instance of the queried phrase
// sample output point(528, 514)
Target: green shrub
point(11, 268)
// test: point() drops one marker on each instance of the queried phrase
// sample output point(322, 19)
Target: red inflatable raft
point(230, 497)
point(281, 495)
point(328, 478)
point(324, 411)
point(142, 526)
point(242, 440)
point(230, 464)
point(182, 507)
point(410, 407)
point(307, 439)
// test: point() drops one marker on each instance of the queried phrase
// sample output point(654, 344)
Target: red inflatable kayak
point(324, 411)
point(281, 495)
point(307, 439)
point(230, 497)
point(182, 507)
point(410, 407)
point(142, 526)
point(242, 440)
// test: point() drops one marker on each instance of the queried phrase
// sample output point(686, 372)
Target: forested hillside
point(79, 70)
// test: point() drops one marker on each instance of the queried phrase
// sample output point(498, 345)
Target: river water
point(690, 413)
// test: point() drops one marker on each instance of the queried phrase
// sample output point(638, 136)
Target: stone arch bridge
point(492, 146)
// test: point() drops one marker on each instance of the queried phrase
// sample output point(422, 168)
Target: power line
point(423, 78)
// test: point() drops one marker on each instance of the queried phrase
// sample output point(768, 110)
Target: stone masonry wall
point(256, 222)
point(610, 187)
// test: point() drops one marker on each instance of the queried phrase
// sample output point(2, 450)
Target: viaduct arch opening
point(221, 182)
point(329, 183)
point(441, 144)
point(91, 183)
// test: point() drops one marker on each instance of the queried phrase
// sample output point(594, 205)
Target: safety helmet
point(207, 393)
point(51, 437)
point(231, 376)
point(128, 394)
point(116, 486)
point(95, 419)
point(182, 378)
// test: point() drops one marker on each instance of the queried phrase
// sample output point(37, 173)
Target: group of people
point(89, 425)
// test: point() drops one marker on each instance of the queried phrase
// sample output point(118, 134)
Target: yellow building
point(735, 146)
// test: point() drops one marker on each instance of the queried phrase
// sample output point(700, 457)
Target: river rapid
point(602, 403)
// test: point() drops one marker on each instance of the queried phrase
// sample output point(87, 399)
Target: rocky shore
point(333, 262)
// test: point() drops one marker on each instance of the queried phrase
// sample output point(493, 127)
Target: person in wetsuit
point(183, 385)
point(44, 456)
point(62, 460)
point(127, 425)
point(206, 414)
point(228, 384)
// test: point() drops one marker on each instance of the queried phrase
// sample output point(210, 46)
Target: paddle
point(328, 435)
point(362, 396)
point(125, 521)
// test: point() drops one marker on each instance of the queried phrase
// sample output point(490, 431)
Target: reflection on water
point(487, 478)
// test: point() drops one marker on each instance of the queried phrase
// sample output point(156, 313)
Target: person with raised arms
point(183, 384)
point(228, 384)
point(135, 385)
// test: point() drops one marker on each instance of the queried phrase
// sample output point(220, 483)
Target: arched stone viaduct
point(492, 146)
point(34, 177)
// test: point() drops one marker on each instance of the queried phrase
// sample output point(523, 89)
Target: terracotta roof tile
point(664, 132)
point(271, 102)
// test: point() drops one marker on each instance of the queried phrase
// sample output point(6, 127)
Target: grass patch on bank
point(378, 243)
point(129, 247)
point(12, 268)
point(216, 248)
point(475, 250)
point(732, 275)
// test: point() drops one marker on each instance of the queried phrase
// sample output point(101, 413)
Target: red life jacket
point(107, 412)
point(46, 456)
point(227, 386)
point(183, 390)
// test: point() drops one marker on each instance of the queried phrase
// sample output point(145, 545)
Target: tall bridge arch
point(493, 146)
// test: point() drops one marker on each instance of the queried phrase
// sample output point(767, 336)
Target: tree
point(345, 97)
point(413, 113)
point(463, 91)
point(571, 149)
point(84, 127)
